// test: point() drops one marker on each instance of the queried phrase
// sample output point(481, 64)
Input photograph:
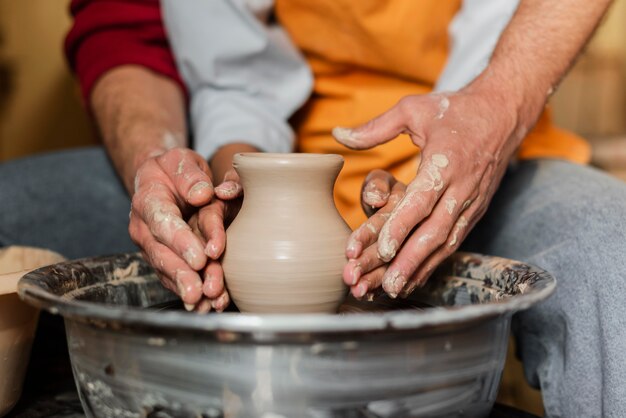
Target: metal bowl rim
point(130, 317)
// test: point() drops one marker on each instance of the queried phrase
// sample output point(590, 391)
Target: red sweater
point(109, 33)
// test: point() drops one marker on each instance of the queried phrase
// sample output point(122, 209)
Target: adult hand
point(466, 141)
point(168, 189)
point(210, 223)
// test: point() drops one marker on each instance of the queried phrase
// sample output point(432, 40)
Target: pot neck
point(289, 179)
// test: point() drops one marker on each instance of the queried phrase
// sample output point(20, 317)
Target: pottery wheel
point(129, 358)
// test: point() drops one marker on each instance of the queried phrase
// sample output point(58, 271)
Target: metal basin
point(438, 354)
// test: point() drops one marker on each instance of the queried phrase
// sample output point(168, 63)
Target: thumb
point(231, 187)
point(377, 131)
point(189, 173)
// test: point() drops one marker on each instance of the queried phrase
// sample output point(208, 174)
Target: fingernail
point(211, 286)
point(211, 250)
point(407, 290)
point(360, 290)
point(228, 188)
point(356, 274)
point(220, 303)
point(190, 256)
point(354, 248)
point(230, 191)
point(189, 307)
point(342, 133)
point(204, 306)
point(373, 198)
point(198, 189)
point(345, 135)
point(393, 283)
point(184, 290)
point(387, 249)
point(410, 289)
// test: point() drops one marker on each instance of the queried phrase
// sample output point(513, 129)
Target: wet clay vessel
point(285, 250)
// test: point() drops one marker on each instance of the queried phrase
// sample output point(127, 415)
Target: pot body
point(285, 250)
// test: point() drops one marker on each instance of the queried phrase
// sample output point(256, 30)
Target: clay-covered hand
point(210, 224)
point(380, 194)
point(168, 189)
point(466, 141)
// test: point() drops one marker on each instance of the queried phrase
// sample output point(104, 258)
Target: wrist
point(152, 142)
point(513, 98)
point(139, 114)
point(143, 143)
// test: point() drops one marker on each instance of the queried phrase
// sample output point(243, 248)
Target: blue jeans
point(565, 218)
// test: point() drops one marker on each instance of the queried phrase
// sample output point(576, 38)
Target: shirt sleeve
point(109, 33)
point(474, 33)
point(244, 75)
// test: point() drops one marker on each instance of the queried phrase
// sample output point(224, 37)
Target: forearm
point(534, 53)
point(139, 114)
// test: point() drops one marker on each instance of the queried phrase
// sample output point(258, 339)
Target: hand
point(466, 141)
point(168, 188)
point(209, 223)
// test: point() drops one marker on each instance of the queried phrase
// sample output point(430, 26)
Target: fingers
point(221, 302)
point(421, 196)
point(379, 130)
point(213, 285)
point(438, 235)
point(165, 187)
point(175, 274)
point(215, 294)
point(218, 304)
point(367, 233)
point(368, 282)
point(362, 262)
point(376, 190)
point(158, 210)
point(230, 188)
point(211, 225)
point(204, 306)
point(367, 262)
point(456, 237)
point(432, 234)
point(189, 173)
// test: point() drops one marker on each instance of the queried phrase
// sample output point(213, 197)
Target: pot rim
point(300, 160)
point(32, 289)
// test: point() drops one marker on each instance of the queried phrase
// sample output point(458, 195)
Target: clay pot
point(285, 251)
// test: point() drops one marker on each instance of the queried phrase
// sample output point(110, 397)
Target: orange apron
point(365, 56)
